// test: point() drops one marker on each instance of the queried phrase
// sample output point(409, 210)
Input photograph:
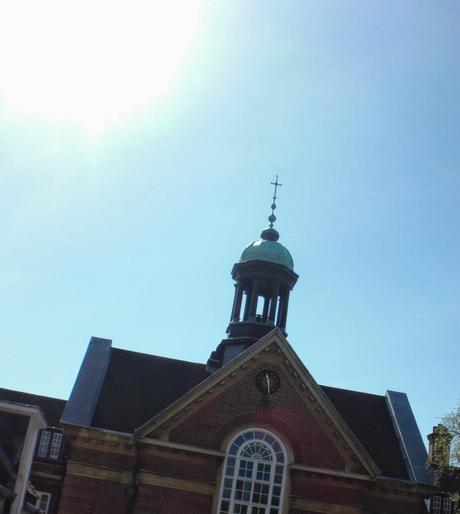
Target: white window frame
point(43, 445)
point(437, 505)
point(55, 445)
point(446, 505)
point(273, 462)
point(41, 497)
point(50, 444)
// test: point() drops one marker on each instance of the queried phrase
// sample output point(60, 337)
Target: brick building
point(31, 452)
point(249, 432)
point(447, 476)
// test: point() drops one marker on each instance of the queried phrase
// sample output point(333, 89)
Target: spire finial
point(270, 234)
point(272, 217)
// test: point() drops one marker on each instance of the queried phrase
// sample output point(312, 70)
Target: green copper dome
point(266, 250)
point(267, 247)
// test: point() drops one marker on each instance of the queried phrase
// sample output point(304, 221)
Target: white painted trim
point(82, 430)
point(336, 473)
point(271, 483)
point(275, 336)
point(36, 422)
point(41, 495)
point(20, 409)
point(182, 447)
point(194, 393)
point(47, 476)
point(55, 445)
point(260, 426)
point(327, 406)
point(356, 476)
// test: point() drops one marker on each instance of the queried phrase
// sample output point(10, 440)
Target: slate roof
point(369, 419)
point(137, 386)
point(52, 408)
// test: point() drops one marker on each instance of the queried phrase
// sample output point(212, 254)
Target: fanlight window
point(254, 475)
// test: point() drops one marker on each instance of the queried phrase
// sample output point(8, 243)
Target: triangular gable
point(312, 395)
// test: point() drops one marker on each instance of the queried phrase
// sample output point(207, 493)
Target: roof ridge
point(30, 394)
point(158, 356)
point(352, 391)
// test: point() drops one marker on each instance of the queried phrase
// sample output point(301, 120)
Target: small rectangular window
point(49, 444)
point(447, 506)
point(44, 443)
point(55, 448)
point(436, 505)
point(43, 502)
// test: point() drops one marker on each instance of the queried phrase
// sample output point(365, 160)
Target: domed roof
point(267, 247)
point(267, 250)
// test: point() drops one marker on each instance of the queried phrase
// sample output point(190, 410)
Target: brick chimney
point(439, 446)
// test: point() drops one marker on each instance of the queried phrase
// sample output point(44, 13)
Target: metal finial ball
point(272, 218)
point(270, 234)
point(273, 206)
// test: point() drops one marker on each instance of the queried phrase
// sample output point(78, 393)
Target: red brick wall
point(297, 511)
point(304, 486)
point(161, 500)
point(81, 495)
point(54, 488)
point(241, 404)
point(47, 485)
point(101, 457)
point(380, 504)
point(191, 468)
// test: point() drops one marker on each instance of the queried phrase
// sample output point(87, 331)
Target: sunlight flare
point(91, 62)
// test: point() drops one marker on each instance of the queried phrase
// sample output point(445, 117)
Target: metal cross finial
point(276, 184)
point(272, 217)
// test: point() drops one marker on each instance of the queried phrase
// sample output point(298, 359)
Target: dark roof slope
point(52, 407)
point(368, 417)
point(137, 386)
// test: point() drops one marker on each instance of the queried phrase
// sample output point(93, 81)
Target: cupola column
point(266, 306)
point(253, 300)
point(284, 309)
point(236, 312)
point(280, 310)
point(247, 292)
point(273, 302)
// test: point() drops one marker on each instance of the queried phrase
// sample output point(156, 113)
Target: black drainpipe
point(132, 487)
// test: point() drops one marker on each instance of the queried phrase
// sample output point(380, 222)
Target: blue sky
point(130, 231)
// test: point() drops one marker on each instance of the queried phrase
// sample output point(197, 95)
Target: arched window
point(254, 474)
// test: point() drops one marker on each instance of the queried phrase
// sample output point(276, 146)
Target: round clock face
point(267, 381)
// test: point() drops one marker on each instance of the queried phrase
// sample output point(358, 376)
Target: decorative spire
point(272, 217)
point(270, 234)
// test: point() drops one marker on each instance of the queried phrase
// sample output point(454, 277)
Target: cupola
point(264, 277)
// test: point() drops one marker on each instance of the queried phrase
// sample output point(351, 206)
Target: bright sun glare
point(91, 61)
